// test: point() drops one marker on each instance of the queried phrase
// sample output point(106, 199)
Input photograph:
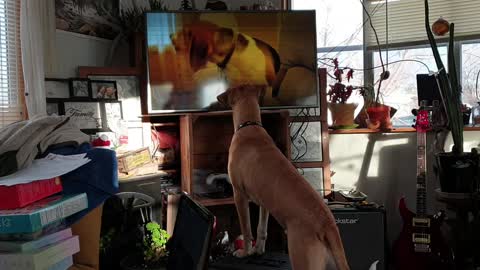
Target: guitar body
point(437, 256)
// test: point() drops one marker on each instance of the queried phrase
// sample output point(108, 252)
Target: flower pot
point(457, 173)
point(342, 114)
point(379, 117)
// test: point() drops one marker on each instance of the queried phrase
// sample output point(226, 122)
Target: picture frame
point(128, 91)
point(57, 88)
point(53, 108)
point(84, 114)
point(113, 115)
point(80, 88)
point(103, 90)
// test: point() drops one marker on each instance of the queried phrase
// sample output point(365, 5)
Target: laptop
point(190, 244)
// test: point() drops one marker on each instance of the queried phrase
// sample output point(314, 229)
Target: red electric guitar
point(421, 244)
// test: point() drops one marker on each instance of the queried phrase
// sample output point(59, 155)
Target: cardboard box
point(133, 159)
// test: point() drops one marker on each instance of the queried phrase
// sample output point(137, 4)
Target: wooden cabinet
point(205, 139)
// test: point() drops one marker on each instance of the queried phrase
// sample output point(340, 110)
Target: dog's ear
point(199, 50)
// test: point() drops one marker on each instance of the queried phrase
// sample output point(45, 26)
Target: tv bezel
point(181, 111)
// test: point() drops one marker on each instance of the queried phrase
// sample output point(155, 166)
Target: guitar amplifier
point(363, 235)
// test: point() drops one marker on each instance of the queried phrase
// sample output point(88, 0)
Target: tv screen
point(195, 56)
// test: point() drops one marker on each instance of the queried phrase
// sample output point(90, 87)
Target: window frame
point(13, 64)
point(368, 53)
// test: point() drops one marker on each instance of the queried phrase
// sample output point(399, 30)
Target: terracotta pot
point(379, 117)
point(362, 116)
point(342, 114)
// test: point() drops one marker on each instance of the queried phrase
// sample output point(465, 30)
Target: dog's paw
point(259, 248)
point(242, 253)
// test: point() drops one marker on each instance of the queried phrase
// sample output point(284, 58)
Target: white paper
point(46, 168)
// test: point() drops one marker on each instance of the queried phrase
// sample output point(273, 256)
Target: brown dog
point(242, 57)
point(259, 172)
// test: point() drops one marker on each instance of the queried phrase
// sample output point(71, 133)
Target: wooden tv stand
point(205, 140)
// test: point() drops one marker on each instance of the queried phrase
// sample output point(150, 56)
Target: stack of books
point(33, 235)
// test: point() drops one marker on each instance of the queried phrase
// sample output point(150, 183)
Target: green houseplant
point(456, 170)
point(153, 248)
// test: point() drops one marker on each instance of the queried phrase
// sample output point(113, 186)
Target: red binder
point(21, 195)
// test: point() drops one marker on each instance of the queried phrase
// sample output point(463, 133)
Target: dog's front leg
point(261, 231)
point(241, 202)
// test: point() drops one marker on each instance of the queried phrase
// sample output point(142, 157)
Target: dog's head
point(234, 94)
point(204, 41)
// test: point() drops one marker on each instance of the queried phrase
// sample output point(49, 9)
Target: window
point(11, 81)
point(400, 90)
point(340, 34)
point(470, 72)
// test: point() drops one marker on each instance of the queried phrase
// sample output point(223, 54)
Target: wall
point(73, 50)
point(384, 167)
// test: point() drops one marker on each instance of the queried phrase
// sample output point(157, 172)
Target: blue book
point(42, 213)
point(63, 264)
point(49, 257)
point(24, 246)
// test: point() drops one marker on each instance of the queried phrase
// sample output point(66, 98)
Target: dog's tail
point(336, 248)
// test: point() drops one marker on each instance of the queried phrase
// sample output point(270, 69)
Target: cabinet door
point(309, 140)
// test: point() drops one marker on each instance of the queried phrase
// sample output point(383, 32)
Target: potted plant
point(339, 93)
point(456, 170)
point(373, 113)
point(153, 248)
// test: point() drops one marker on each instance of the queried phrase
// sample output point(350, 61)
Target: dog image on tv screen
point(194, 57)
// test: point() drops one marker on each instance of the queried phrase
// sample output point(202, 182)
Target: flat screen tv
point(195, 56)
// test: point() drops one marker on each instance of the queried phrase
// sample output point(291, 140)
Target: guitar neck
point(421, 174)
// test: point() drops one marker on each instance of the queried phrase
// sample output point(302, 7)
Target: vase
point(379, 117)
point(457, 173)
point(342, 114)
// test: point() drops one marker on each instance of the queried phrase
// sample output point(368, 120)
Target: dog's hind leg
point(306, 251)
point(241, 203)
point(261, 231)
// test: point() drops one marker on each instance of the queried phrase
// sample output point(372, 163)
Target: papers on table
point(46, 168)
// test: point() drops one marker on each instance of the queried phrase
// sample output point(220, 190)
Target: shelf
point(367, 130)
point(213, 202)
point(394, 130)
point(470, 128)
point(171, 124)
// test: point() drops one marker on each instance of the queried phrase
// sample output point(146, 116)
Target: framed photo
point(114, 116)
point(128, 91)
point(85, 115)
point(57, 88)
point(79, 88)
point(53, 108)
point(104, 89)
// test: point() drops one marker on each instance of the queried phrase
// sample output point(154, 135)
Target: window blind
point(406, 25)
point(11, 80)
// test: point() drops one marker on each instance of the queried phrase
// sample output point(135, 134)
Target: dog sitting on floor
point(259, 172)
point(241, 57)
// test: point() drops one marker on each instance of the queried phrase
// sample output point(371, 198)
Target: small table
point(466, 230)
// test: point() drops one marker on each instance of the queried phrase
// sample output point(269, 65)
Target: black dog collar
point(225, 61)
point(249, 123)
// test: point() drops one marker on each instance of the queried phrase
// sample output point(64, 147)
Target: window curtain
point(404, 20)
point(37, 36)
